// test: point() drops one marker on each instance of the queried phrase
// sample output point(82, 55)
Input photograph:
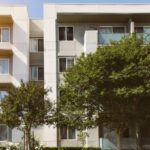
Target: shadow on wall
point(20, 60)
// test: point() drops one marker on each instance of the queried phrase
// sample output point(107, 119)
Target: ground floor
point(97, 137)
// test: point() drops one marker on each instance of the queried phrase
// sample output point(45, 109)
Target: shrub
point(2, 148)
point(71, 148)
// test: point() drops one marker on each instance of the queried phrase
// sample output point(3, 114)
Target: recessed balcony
point(5, 79)
point(6, 19)
point(5, 48)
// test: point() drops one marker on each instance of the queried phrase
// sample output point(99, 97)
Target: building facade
point(41, 50)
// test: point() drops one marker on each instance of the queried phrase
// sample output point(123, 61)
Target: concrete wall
point(49, 133)
point(19, 45)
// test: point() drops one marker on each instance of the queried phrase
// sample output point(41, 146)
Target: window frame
point(66, 66)
point(66, 26)
point(68, 134)
point(1, 35)
point(37, 67)
point(36, 38)
point(1, 59)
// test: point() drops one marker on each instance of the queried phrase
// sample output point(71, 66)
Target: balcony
point(5, 81)
point(5, 48)
point(107, 38)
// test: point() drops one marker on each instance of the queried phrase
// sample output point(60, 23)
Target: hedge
point(71, 148)
point(2, 148)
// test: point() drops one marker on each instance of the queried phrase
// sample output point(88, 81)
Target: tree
point(109, 87)
point(25, 107)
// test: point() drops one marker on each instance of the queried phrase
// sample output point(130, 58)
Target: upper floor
point(83, 27)
point(66, 29)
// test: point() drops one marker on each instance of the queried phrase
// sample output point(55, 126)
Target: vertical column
point(50, 66)
point(131, 26)
point(20, 45)
point(20, 63)
point(90, 46)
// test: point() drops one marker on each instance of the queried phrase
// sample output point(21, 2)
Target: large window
point(67, 133)
point(65, 63)
point(37, 45)
point(4, 34)
point(4, 66)
point(66, 33)
point(37, 73)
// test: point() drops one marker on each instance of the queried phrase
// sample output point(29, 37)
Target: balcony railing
point(107, 38)
point(126, 143)
point(144, 36)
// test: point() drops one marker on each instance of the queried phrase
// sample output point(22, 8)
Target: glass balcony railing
point(107, 38)
point(144, 36)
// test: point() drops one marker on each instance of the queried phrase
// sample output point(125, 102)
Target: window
point(118, 30)
point(67, 133)
point(37, 73)
point(4, 66)
point(4, 34)
point(110, 30)
point(3, 94)
point(139, 30)
point(65, 63)
point(37, 45)
point(5, 133)
point(66, 33)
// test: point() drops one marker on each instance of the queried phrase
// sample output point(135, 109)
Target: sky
point(35, 7)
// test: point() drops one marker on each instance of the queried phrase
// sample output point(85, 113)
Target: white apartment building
point(41, 50)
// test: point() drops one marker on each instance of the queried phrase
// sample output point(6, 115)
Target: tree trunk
point(118, 139)
point(27, 139)
point(138, 138)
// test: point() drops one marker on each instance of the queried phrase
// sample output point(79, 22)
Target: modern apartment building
point(41, 50)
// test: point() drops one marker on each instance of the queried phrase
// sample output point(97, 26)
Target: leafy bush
point(71, 148)
point(2, 148)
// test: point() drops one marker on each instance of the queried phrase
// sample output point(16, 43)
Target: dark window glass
point(40, 73)
point(126, 133)
point(63, 132)
point(40, 45)
point(62, 64)
point(3, 132)
point(139, 30)
point(118, 30)
point(100, 131)
point(71, 133)
point(69, 33)
point(61, 33)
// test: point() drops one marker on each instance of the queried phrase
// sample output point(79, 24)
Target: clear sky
point(35, 7)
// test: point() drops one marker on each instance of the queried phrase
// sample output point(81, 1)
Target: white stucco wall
point(19, 47)
point(49, 134)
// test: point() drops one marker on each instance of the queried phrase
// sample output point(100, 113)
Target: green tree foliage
point(109, 87)
point(27, 106)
